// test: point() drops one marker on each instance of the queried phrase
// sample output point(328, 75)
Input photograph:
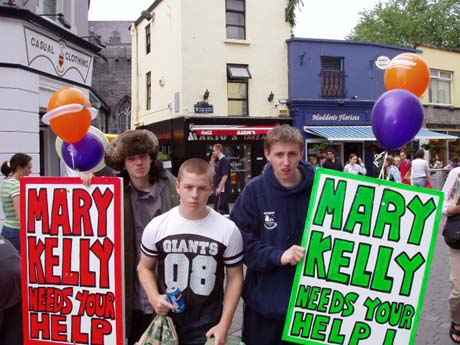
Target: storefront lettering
point(335, 117)
point(52, 56)
point(42, 45)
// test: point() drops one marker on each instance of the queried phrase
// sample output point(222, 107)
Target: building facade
point(43, 51)
point(332, 88)
point(211, 71)
point(112, 73)
point(442, 101)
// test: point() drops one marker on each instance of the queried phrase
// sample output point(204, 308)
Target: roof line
point(148, 10)
point(327, 40)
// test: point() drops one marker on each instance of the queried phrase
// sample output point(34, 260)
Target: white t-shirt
point(192, 256)
point(355, 169)
point(419, 168)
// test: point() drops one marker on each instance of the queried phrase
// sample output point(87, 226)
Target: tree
point(411, 23)
point(290, 10)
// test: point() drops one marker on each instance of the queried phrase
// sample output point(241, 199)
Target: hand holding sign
point(293, 255)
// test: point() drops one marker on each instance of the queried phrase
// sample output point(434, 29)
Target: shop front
point(345, 127)
point(193, 137)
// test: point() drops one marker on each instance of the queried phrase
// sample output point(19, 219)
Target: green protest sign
point(370, 245)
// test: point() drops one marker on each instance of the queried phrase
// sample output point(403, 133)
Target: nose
point(194, 193)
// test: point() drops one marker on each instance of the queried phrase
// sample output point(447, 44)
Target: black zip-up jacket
point(271, 219)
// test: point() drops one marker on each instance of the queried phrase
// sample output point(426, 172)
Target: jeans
point(12, 235)
point(454, 299)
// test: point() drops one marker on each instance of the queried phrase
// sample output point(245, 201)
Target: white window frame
point(438, 77)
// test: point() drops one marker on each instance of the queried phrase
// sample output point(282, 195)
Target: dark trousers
point(221, 205)
point(139, 324)
point(11, 325)
point(258, 330)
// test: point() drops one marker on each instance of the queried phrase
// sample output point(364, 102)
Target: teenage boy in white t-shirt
point(192, 247)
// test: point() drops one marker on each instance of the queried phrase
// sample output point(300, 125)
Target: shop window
point(237, 90)
point(441, 87)
point(49, 7)
point(147, 39)
point(235, 19)
point(332, 77)
point(148, 82)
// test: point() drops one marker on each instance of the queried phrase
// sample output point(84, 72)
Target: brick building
point(112, 75)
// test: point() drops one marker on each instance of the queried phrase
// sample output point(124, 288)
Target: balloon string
point(382, 174)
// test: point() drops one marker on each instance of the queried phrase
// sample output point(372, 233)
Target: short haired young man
point(271, 213)
point(222, 182)
point(148, 191)
point(189, 248)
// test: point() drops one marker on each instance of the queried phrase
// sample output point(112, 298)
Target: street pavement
point(434, 326)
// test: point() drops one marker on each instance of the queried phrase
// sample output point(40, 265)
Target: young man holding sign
point(271, 214)
point(186, 251)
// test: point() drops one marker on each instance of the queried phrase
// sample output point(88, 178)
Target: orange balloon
point(408, 71)
point(70, 127)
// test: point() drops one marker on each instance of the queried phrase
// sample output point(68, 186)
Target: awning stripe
point(364, 133)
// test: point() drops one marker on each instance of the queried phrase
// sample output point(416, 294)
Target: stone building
point(112, 72)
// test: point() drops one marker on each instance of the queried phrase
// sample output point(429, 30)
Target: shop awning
point(230, 130)
point(364, 133)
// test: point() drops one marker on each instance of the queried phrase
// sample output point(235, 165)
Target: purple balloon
point(397, 117)
point(83, 155)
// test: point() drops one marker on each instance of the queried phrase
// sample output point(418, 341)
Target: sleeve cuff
point(276, 257)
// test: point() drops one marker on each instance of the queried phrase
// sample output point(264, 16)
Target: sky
point(332, 19)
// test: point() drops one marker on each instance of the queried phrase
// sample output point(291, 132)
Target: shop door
point(258, 159)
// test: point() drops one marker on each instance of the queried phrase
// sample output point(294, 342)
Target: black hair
point(19, 160)
point(420, 153)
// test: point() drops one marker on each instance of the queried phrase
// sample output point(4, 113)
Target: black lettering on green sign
point(335, 337)
point(360, 276)
point(324, 300)
point(301, 325)
point(361, 331)
point(409, 266)
point(380, 280)
point(361, 211)
point(371, 305)
point(315, 254)
point(338, 260)
point(392, 208)
point(331, 202)
point(421, 211)
point(390, 336)
point(408, 315)
point(302, 296)
point(319, 327)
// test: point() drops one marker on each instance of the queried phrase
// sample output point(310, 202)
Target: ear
point(177, 185)
point(266, 154)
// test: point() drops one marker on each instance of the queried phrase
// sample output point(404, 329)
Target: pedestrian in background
point(271, 213)
point(313, 159)
point(391, 171)
point(331, 161)
point(355, 165)
point(420, 171)
point(148, 191)
point(19, 165)
point(222, 182)
point(404, 167)
point(451, 191)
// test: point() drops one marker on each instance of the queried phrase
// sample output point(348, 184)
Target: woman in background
point(19, 165)
point(355, 165)
point(420, 171)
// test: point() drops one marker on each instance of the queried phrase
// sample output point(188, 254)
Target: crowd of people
point(396, 167)
point(263, 231)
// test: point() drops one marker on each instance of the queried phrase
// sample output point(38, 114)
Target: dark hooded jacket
point(271, 219)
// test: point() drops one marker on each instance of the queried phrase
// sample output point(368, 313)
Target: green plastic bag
point(161, 331)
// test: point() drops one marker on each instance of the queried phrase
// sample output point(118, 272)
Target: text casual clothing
point(192, 256)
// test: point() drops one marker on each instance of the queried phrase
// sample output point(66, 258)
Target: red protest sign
point(72, 265)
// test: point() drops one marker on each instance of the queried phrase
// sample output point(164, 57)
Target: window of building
point(441, 87)
point(235, 19)
point(332, 77)
point(49, 7)
point(147, 39)
point(148, 82)
point(237, 90)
